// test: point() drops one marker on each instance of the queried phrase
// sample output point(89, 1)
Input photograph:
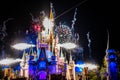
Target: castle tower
point(24, 65)
point(57, 47)
point(67, 71)
point(61, 56)
point(35, 56)
point(71, 69)
point(51, 16)
point(42, 65)
point(31, 54)
point(32, 66)
point(61, 62)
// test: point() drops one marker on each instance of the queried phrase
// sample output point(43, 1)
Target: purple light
point(42, 75)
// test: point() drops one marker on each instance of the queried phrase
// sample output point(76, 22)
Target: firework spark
point(89, 44)
point(22, 46)
point(90, 66)
point(64, 33)
point(9, 61)
point(68, 45)
point(73, 21)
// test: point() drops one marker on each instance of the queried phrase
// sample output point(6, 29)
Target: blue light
point(49, 54)
point(5, 67)
point(42, 65)
point(113, 71)
point(80, 62)
point(78, 69)
point(111, 51)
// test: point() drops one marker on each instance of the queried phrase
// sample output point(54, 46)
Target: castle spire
point(71, 57)
point(61, 53)
point(65, 58)
point(42, 54)
point(51, 12)
point(31, 51)
point(23, 57)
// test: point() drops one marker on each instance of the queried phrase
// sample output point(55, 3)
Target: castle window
point(42, 65)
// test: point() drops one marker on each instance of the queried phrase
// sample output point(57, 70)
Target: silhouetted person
point(6, 78)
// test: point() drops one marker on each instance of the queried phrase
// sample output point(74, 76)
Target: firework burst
point(64, 33)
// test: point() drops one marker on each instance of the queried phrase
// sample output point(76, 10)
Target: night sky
point(94, 16)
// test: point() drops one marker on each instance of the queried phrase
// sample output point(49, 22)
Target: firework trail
point(3, 32)
point(73, 21)
point(107, 41)
point(89, 44)
point(32, 16)
point(36, 20)
point(76, 38)
point(76, 35)
point(107, 68)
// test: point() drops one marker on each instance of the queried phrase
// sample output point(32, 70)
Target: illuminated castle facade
point(48, 59)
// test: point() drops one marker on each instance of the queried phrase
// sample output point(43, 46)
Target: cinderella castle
point(48, 59)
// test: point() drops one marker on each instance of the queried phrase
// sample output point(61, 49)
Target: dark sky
point(94, 16)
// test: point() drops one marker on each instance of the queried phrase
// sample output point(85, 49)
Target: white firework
point(69, 45)
point(9, 61)
point(22, 46)
point(89, 65)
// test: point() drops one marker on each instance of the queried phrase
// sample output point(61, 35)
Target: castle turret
point(24, 65)
point(71, 69)
point(61, 57)
point(35, 56)
point(31, 54)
